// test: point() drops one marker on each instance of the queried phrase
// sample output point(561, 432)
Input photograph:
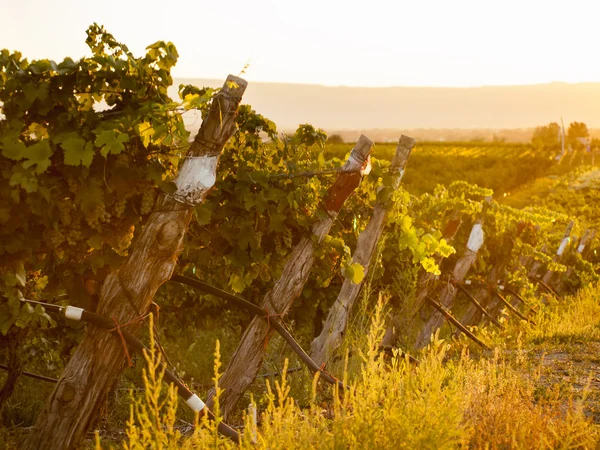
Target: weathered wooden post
point(473, 314)
point(324, 345)
point(247, 358)
point(587, 237)
point(128, 291)
point(462, 267)
point(426, 282)
point(536, 265)
point(561, 250)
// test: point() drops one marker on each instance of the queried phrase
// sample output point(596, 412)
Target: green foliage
point(85, 146)
point(547, 137)
point(77, 181)
point(502, 167)
point(577, 130)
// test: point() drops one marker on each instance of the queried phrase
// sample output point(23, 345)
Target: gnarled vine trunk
point(128, 291)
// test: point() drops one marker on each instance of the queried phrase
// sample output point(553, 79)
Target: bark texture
point(324, 345)
point(128, 291)
point(247, 359)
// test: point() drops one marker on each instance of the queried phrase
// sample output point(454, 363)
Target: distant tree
point(335, 139)
point(577, 130)
point(547, 137)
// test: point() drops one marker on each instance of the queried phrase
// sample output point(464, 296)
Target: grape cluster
point(287, 237)
point(64, 212)
point(97, 216)
point(123, 239)
point(119, 207)
point(278, 244)
point(73, 234)
point(264, 272)
point(148, 197)
point(56, 238)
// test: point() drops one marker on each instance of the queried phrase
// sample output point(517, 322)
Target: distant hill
point(401, 108)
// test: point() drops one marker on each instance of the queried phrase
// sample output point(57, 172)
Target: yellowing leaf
point(237, 283)
point(354, 272)
point(145, 131)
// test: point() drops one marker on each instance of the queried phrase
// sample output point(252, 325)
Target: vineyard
point(250, 288)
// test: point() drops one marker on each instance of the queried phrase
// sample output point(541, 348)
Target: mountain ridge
point(399, 107)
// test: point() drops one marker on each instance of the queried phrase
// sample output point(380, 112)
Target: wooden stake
point(478, 305)
point(247, 358)
point(450, 318)
point(560, 251)
point(324, 345)
point(462, 267)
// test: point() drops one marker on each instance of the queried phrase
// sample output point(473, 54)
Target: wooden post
point(472, 315)
point(127, 292)
point(536, 265)
point(247, 358)
point(475, 304)
point(561, 249)
point(450, 318)
point(462, 267)
point(587, 249)
point(587, 237)
point(324, 345)
point(425, 283)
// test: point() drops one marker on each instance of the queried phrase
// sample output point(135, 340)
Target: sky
point(336, 43)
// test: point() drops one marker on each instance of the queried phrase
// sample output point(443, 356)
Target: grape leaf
point(38, 154)
point(77, 152)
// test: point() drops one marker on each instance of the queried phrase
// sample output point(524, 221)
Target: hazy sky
point(366, 43)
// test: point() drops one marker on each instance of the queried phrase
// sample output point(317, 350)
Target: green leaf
point(89, 196)
point(111, 141)
point(22, 177)
point(203, 214)
point(13, 149)
point(38, 154)
point(96, 241)
point(77, 152)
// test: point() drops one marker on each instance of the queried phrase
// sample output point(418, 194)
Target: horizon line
point(478, 86)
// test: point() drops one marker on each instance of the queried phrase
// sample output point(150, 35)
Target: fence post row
point(324, 345)
point(128, 291)
point(247, 358)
